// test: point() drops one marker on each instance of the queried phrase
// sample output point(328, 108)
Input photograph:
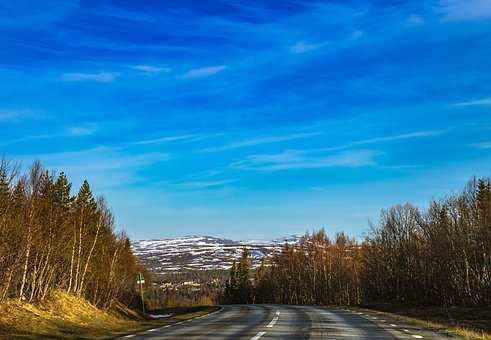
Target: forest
point(53, 240)
point(438, 256)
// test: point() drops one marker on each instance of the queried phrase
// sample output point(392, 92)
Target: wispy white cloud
point(411, 135)
point(199, 185)
point(304, 47)
point(81, 130)
point(261, 140)
point(8, 115)
point(103, 166)
point(19, 14)
point(463, 10)
point(167, 139)
point(317, 158)
point(26, 139)
point(101, 158)
point(306, 159)
point(101, 77)
point(149, 69)
point(72, 131)
point(205, 71)
point(484, 145)
point(478, 102)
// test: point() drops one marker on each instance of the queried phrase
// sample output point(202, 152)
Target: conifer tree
point(243, 281)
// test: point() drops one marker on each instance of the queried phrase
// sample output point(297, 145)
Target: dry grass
point(467, 323)
point(66, 316)
point(63, 316)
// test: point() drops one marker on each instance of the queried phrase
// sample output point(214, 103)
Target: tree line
point(437, 256)
point(207, 291)
point(51, 239)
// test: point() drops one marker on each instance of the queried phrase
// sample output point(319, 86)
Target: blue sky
point(249, 119)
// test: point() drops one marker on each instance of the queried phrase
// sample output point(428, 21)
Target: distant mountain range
point(202, 252)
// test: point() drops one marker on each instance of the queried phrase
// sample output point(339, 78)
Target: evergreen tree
point(4, 189)
point(62, 191)
point(243, 281)
point(230, 292)
point(238, 289)
point(260, 290)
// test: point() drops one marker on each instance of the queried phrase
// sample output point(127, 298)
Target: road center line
point(258, 335)
point(273, 322)
point(275, 319)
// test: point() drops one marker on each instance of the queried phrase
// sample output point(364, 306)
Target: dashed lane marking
point(275, 319)
point(177, 323)
point(258, 335)
point(416, 336)
point(273, 322)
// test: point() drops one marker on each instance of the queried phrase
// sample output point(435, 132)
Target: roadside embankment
point(65, 316)
point(467, 322)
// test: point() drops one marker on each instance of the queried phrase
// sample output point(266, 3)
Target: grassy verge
point(68, 317)
point(466, 322)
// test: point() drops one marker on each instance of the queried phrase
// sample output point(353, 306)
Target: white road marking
point(179, 323)
point(417, 336)
point(405, 330)
point(275, 319)
point(189, 320)
point(258, 335)
point(273, 322)
point(393, 325)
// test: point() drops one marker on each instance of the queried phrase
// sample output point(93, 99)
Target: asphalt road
point(255, 322)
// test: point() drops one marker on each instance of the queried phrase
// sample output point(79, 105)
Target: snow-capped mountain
point(202, 252)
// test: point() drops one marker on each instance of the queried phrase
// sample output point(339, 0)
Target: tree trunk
point(82, 281)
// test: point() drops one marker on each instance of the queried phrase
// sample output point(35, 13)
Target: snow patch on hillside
point(202, 252)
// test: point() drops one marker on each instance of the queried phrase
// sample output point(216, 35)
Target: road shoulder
point(184, 315)
point(406, 327)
